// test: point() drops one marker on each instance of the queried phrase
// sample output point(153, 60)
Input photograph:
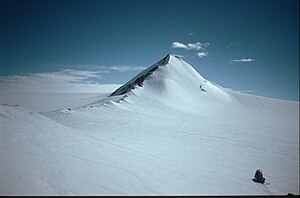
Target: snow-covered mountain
point(167, 131)
point(174, 83)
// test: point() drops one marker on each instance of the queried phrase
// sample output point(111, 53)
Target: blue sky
point(245, 45)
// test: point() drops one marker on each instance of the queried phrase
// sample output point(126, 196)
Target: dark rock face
point(139, 79)
point(258, 177)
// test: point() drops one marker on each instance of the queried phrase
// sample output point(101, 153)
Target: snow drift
point(167, 131)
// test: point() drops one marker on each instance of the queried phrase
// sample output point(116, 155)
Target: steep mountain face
point(174, 83)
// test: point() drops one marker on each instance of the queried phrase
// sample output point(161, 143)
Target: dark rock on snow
point(258, 177)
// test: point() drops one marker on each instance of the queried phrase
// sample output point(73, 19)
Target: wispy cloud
point(123, 68)
point(67, 75)
point(191, 33)
point(247, 91)
point(190, 46)
point(101, 68)
point(243, 91)
point(81, 78)
point(202, 54)
point(67, 80)
point(193, 46)
point(243, 60)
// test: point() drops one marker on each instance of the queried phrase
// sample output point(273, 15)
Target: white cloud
point(243, 60)
point(201, 54)
point(193, 46)
point(179, 45)
point(190, 46)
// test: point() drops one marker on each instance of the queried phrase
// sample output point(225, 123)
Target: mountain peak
point(164, 61)
point(168, 58)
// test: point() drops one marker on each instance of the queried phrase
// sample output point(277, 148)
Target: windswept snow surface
point(160, 135)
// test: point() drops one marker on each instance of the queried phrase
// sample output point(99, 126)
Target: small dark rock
point(258, 177)
point(202, 88)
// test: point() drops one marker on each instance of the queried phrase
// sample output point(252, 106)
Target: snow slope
point(159, 134)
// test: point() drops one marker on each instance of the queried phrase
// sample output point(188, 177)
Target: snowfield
point(167, 131)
